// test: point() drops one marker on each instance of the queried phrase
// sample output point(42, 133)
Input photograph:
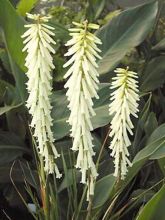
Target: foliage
point(132, 37)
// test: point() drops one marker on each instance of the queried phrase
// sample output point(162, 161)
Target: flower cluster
point(82, 87)
point(39, 62)
point(124, 104)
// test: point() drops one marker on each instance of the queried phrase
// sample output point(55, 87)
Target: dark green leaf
point(155, 142)
point(11, 152)
point(151, 124)
point(11, 147)
point(154, 76)
point(140, 125)
point(5, 60)
point(64, 148)
point(158, 133)
point(154, 209)
point(161, 163)
point(8, 108)
point(19, 173)
point(103, 190)
point(160, 45)
point(60, 112)
point(61, 33)
point(160, 152)
point(94, 9)
point(69, 179)
point(124, 32)
point(150, 149)
point(4, 86)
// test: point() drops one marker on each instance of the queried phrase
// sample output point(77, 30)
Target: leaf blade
point(122, 34)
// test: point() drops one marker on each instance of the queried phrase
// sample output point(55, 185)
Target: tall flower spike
point(124, 104)
point(39, 62)
point(82, 87)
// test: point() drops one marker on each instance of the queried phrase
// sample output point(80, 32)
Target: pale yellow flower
point(124, 104)
point(39, 62)
point(82, 86)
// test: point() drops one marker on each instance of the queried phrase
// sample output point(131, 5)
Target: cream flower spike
point(124, 104)
point(39, 62)
point(82, 87)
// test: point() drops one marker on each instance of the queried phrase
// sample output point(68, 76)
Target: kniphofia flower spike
point(39, 62)
point(124, 104)
point(82, 86)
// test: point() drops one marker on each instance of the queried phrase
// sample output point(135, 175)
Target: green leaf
point(103, 190)
point(125, 32)
point(25, 6)
point(95, 7)
point(161, 163)
point(157, 134)
point(13, 27)
point(11, 147)
point(61, 33)
point(160, 152)
point(30, 175)
point(11, 152)
point(5, 60)
point(151, 124)
point(4, 86)
point(5, 174)
point(154, 209)
point(20, 79)
point(69, 179)
point(154, 76)
point(20, 173)
point(143, 116)
point(63, 147)
point(8, 108)
point(150, 149)
point(60, 71)
point(109, 17)
point(99, 8)
point(60, 112)
point(155, 142)
point(160, 45)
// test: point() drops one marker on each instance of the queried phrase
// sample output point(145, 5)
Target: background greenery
point(133, 34)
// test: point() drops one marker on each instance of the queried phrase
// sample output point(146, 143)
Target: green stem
point(102, 148)
point(89, 208)
point(80, 204)
point(44, 190)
